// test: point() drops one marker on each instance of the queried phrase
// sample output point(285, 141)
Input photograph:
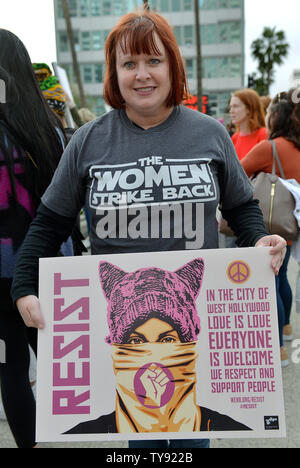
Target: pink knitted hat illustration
point(136, 297)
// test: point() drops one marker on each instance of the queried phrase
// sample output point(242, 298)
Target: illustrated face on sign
point(152, 293)
point(154, 331)
point(154, 324)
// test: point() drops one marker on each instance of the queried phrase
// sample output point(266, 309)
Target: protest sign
point(159, 345)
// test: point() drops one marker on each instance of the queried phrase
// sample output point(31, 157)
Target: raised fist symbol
point(154, 380)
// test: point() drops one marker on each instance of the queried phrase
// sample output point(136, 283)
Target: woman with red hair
point(151, 172)
point(247, 114)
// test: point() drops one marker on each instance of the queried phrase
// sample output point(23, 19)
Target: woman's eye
point(128, 64)
point(168, 339)
point(135, 340)
point(154, 61)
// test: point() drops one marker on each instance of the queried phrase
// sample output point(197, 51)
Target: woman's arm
point(247, 223)
point(46, 234)
point(246, 218)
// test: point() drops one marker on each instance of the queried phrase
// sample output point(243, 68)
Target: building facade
point(222, 38)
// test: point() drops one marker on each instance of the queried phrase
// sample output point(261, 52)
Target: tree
point(199, 56)
point(269, 50)
point(73, 52)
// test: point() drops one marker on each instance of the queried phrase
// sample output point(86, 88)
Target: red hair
point(135, 33)
point(252, 101)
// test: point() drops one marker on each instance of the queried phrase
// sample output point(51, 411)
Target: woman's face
point(144, 82)
point(238, 111)
point(154, 331)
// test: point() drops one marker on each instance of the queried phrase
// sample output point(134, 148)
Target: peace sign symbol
point(238, 272)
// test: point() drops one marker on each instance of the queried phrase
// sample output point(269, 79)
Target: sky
point(33, 22)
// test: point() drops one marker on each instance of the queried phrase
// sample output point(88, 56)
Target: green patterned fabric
point(50, 87)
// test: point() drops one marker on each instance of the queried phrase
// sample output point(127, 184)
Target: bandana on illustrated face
point(156, 387)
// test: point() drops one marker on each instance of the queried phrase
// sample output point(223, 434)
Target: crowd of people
point(256, 124)
point(45, 177)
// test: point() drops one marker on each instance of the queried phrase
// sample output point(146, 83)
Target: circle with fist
point(154, 385)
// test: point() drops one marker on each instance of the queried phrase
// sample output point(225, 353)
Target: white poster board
point(207, 367)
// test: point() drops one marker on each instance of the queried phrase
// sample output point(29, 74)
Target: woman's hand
point(278, 251)
point(29, 308)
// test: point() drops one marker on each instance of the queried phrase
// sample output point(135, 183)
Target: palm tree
point(269, 50)
point(73, 51)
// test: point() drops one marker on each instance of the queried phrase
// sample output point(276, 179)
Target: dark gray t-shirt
point(149, 190)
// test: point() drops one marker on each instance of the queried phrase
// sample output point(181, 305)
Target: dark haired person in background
point(31, 144)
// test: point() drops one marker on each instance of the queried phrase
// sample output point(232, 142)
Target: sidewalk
point(291, 383)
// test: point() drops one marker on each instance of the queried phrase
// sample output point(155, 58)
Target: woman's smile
point(145, 91)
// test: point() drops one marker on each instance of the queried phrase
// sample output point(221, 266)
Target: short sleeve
point(66, 192)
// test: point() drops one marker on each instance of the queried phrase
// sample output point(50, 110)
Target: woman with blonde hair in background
point(247, 114)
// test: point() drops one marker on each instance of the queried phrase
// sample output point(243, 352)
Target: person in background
point(57, 99)
point(145, 84)
point(283, 123)
point(86, 115)
point(54, 94)
point(247, 115)
point(51, 89)
point(248, 118)
point(31, 145)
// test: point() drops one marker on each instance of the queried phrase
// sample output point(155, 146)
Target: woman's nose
point(142, 72)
